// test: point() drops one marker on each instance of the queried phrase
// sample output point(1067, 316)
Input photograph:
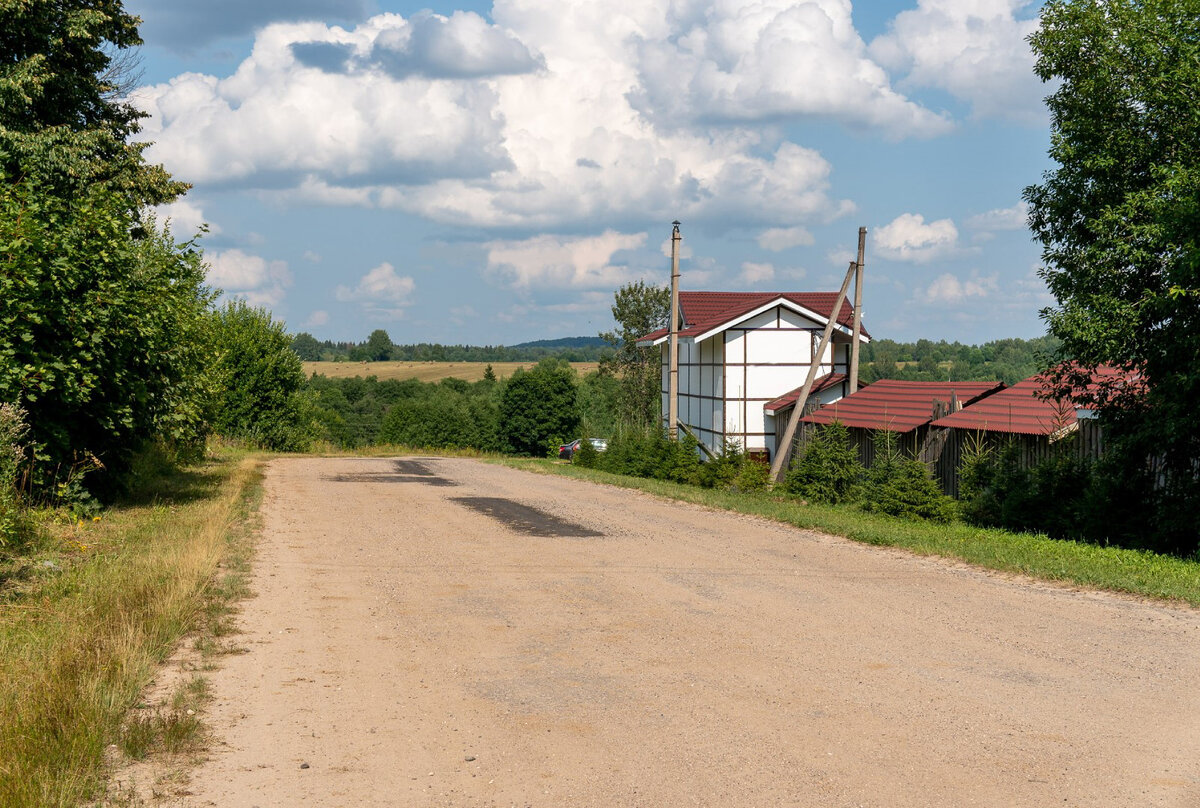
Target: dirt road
point(420, 637)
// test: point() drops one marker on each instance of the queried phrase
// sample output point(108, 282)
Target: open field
point(443, 632)
point(426, 371)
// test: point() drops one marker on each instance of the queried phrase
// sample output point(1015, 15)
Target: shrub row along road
point(442, 632)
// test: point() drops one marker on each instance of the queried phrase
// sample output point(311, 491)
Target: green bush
point(828, 471)
point(258, 378)
point(902, 486)
point(12, 456)
point(586, 455)
point(753, 476)
point(538, 407)
point(101, 330)
point(446, 418)
point(1054, 497)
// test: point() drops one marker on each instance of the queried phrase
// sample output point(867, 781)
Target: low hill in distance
point(564, 342)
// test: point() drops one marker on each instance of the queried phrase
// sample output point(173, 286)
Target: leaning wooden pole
point(858, 281)
point(673, 374)
point(783, 452)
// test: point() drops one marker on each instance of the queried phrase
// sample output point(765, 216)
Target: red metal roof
point(789, 399)
point(1016, 410)
point(1020, 409)
point(898, 406)
point(704, 311)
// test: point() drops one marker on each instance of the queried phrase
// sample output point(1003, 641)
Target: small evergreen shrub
point(586, 455)
point(902, 486)
point(1054, 497)
point(754, 476)
point(828, 471)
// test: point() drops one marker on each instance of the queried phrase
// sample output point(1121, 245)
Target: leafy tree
point(1119, 223)
point(379, 346)
point(102, 335)
point(538, 406)
point(306, 347)
point(259, 377)
point(638, 309)
point(598, 393)
point(60, 125)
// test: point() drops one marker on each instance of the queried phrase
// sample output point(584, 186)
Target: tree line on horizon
point(1005, 360)
point(378, 347)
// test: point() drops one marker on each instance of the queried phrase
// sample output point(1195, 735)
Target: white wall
point(725, 380)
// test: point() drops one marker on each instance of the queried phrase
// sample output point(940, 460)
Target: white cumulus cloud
point(976, 50)
point(381, 292)
point(525, 123)
point(581, 262)
point(909, 238)
point(250, 277)
point(184, 218)
point(776, 239)
point(947, 288)
point(753, 273)
point(756, 60)
point(279, 121)
point(1014, 218)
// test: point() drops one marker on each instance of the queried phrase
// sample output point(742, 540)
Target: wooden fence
point(943, 448)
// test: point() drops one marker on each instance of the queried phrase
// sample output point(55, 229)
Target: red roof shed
point(1020, 409)
point(899, 406)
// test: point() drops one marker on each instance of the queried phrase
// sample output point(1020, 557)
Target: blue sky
point(491, 173)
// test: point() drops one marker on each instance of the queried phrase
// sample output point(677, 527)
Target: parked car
point(567, 450)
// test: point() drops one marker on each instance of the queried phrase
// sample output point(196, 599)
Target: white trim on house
point(803, 311)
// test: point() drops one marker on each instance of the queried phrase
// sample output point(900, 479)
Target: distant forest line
point(1006, 360)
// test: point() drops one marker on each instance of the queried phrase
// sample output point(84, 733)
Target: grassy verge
point(85, 621)
point(1133, 571)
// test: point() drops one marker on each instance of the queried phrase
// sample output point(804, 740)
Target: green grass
point(1132, 571)
point(85, 622)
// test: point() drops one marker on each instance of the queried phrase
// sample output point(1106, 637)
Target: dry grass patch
point(81, 638)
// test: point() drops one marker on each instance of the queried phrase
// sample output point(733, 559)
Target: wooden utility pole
point(858, 280)
point(673, 375)
point(783, 452)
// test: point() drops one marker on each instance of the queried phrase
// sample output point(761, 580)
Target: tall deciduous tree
point(538, 406)
point(260, 377)
point(60, 124)
point(638, 309)
point(1119, 221)
point(379, 346)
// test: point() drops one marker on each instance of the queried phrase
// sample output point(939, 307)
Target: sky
point(466, 172)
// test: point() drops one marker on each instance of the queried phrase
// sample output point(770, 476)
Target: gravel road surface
point(443, 632)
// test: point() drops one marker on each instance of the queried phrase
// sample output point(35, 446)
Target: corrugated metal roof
point(898, 406)
point(1016, 410)
point(704, 311)
point(789, 399)
point(1020, 410)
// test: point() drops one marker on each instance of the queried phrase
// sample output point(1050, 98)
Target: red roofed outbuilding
point(906, 408)
point(1022, 417)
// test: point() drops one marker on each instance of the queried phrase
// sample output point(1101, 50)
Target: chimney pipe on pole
point(673, 378)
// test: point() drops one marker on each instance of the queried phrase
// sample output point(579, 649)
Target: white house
point(741, 351)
